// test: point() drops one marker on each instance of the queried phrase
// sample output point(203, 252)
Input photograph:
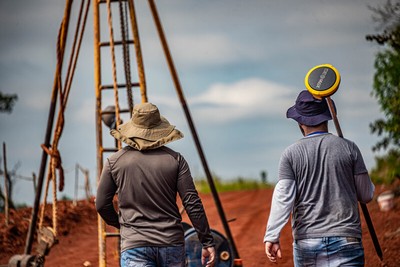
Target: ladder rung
point(110, 150)
point(112, 234)
point(116, 43)
point(105, 1)
point(113, 112)
point(105, 87)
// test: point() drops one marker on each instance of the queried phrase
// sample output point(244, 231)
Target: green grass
point(238, 184)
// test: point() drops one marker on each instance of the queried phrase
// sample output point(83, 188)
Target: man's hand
point(273, 250)
point(210, 254)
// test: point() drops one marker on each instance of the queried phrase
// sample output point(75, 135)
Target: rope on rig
point(53, 152)
point(114, 68)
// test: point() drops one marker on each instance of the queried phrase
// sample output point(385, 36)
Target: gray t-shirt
point(147, 183)
point(317, 185)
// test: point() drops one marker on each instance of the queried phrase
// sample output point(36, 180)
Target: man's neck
point(314, 129)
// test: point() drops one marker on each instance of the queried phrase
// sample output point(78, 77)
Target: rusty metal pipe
point(191, 124)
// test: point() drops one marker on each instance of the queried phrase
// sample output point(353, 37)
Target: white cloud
point(246, 98)
point(206, 49)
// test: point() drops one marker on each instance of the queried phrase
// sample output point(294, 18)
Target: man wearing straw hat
point(321, 179)
point(147, 176)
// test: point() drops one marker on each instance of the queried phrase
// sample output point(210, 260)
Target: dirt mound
point(247, 212)
point(70, 217)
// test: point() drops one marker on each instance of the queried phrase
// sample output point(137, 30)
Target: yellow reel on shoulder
point(322, 80)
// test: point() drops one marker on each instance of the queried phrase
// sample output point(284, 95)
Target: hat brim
point(131, 130)
point(144, 144)
point(292, 113)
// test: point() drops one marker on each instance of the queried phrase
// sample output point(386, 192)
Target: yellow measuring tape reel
point(322, 80)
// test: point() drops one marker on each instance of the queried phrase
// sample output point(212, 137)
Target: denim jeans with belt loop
point(172, 256)
point(328, 251)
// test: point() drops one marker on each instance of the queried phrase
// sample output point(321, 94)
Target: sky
point(241, 65)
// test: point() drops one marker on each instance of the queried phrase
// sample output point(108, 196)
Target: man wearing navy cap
point(321, 179)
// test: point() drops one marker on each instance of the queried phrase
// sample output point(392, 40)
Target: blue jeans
point(328, 251)
point(154, 257)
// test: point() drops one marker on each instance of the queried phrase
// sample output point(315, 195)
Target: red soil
point(247, 212)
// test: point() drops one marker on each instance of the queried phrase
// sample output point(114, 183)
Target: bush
point(387, 168)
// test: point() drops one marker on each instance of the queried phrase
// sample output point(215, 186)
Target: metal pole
point(101, 225)
point(76, 184)
point(50, 121)
point(34, 182)
point(363, 206)
point(191, 125)
point(6, 186)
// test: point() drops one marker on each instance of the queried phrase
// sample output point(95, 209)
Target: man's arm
point(193, 205)
point(105, 195)
point(281, 207)
point(364, 187)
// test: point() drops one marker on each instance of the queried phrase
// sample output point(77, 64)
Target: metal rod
point(101, 225)
point(6, 186)
point(363, 205)
point(50, 121)
point(191, 125)
point(334, 116)
point(34, 182)
point(116, 43)
point(76, 184)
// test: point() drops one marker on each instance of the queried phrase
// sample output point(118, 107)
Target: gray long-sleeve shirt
point(321, 179)
point(147, 183)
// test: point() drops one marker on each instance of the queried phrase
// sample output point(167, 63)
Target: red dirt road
point(247, 210)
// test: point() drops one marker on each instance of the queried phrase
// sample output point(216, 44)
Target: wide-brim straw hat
point(146, 129)
point(308, 110)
